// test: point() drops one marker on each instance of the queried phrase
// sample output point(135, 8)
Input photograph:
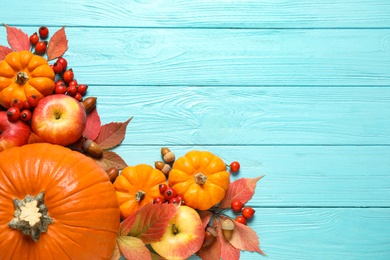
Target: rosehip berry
point(82, 89)
point(169, 194)
point(234, 166)
point(241, 220)
point(158, 200)
point(33, 100)
point(180, 199)
point(68, 76)
point(13, 113)
point(17, 103)
point(43, 32)
point(236, 205)
point(174, 201)
point(59, 82)
point(25, 115)
point(78, 97)
point(63, 62)
point(248, 212)
point(40, 47)
point(34, 38)
point(162, 187)
point(72, 90)
point(60, 89)
point(57, 68)
point(73, 82)
point(26, 105)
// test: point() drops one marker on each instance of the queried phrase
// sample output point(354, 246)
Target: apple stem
point(200, 178)
point(175, 230)
point(139, 195)
point(21, 77)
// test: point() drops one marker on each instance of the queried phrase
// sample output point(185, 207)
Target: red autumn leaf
point(112, 134)
point(92, 128)
point(228, 251)
point(4, 50)
point(17, 39)
point(149, 222)
point(211, 252)
point(58, 44)
point(111, 159)
point(133, 248)
point(245, 238)
point(205, 216)
point(241, 189)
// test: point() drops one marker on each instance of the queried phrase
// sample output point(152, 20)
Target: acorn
point(93, 149)
point(89, 104)
point(227, 228)
point(209, 236)
point(112, 173)
point(163, 167)
point(168, 156)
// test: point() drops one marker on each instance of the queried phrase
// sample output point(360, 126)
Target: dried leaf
point(149, 222)
point(4, 50)
point(111, 159)
point(245, 238)
point(241, 189)
point(92, 128)
point(58, 45)
point(33, 138)
point(205, 216)
point(117, 252)
point(228, 251)
point(211, 252)
point(133, 248)
point(17, 39)
point(112, 134)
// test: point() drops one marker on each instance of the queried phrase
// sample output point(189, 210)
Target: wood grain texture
point(201, 13)
point(228, 57)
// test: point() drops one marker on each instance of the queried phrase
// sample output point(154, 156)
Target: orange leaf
point(58, 45)
point(17, 39)
point(112, 134)
point(211, 252)
point(241, 189)
point(4, 50)
point(133, 248)
point(228, 251)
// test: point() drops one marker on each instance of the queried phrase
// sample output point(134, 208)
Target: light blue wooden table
point(296, 90)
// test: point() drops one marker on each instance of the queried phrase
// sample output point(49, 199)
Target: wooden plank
point(123, 56)
point(248, 115)
point(201, 13)
point(303, 176)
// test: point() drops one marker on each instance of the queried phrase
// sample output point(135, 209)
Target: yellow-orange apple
point(12, 133)
point(183, 236)
point(59, 119)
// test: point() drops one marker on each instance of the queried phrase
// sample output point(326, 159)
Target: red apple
point(59, 119)
point(183, 236)
point(12, 133)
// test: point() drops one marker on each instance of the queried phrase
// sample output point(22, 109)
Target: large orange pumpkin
point(55, 204)
point(201, 178)
point(23, 74)
point(137, 186)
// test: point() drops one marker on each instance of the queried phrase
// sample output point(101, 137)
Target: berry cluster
point(169, 195)
point(38, 40)
point(246, 212)
point(67, 84)
point(22, 110)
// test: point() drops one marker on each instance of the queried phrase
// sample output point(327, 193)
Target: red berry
point(26, 105)
point(73, 83)
point(234, 166)
point(236, 205)
point(162, 187)
point(25, 115)
point(68, 76)
point(78, 97)
point(59, 82)
point(72, 90)
point(63, 62)
point(13, 113)
point(169, 194)
point(40, 47)
point(60, 89)
point(43, 32)
point(57, 68)
point(17, 103)
point(158, 200)
point(248, 212)
point(241, 220)
point(180, 199)
point(174, 201)
point(82, 89)
point(34, 38)
point(33, 100)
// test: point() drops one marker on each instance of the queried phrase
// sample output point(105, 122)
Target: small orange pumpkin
point(137, 186)
point(55, 204)
point(23, 74)
point(201, 178)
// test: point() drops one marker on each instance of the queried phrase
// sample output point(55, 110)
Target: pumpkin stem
point(30, 216)
point(140, 195)
point(200, 178)
point(21, 77)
